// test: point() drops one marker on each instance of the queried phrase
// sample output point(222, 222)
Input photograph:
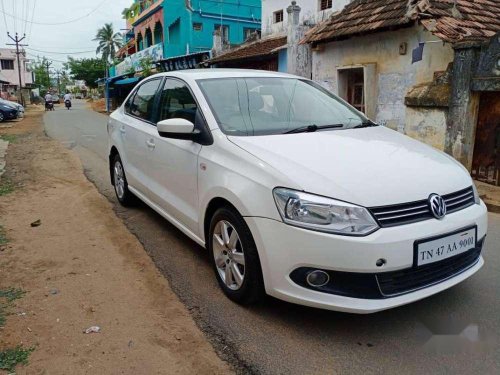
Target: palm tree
point(109, 42)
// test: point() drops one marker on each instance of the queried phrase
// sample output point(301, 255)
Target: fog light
point(317, 278)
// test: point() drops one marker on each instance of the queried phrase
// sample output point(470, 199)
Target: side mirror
point(176, 128)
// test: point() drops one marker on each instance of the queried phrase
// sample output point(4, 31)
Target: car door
point(137, 132)
point(175, 172)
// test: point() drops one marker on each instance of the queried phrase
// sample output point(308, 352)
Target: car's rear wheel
point(2, 117)
point(123, 194)
point(234, 257)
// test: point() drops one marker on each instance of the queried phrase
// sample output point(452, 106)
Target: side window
point(177, 102)
point(128, 103)
point(143, 101)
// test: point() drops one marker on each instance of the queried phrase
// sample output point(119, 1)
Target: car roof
point(223, 73)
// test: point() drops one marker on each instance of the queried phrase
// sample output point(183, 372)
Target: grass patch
point(11, 294)
point(10, 358)
point(6, 186)
point(8, 137)
point(3, 236)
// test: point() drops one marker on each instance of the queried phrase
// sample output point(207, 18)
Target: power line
point(32, 17)
point(4, 18)
point(61, 53)
point(38, 56)
point(55, 23)
point(14, 2)
point(26, 14)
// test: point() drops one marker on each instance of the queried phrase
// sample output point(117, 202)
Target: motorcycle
point(49, 105)
point(67, 103)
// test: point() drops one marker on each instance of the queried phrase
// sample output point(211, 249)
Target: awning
point(127, 81)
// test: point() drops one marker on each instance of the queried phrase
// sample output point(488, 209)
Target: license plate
point(445, 247)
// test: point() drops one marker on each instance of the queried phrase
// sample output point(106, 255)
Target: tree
point(131, 12)
point(88, 70)
point(146, 66)
point(42, 79)
point(109, 42)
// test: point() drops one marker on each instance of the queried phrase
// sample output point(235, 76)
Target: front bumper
point(284, 249)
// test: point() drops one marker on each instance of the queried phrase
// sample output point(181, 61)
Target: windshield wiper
point(365, 124)
point(313, 128)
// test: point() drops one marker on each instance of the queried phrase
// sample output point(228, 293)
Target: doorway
point(486, 157)
point(352, 87)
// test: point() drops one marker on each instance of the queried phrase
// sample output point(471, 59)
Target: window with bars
point(7, 64)
point(197, 26)
point(325, 4)
point(278, 16)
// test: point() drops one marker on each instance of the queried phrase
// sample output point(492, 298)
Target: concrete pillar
point(299, 59)
point(217, 43)
point(464, 105)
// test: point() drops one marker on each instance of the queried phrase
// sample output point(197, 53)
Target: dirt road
point(81, 267)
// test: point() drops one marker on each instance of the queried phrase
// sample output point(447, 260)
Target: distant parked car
point(15, 105)
point(56, 99)
point(7, 112)
point(79, 96)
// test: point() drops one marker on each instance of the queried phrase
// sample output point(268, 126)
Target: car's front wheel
point(125, 197)
point(234, 257)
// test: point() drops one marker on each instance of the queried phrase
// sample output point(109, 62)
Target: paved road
point(457, 331)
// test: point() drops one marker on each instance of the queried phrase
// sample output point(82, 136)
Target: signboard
point(134, 61)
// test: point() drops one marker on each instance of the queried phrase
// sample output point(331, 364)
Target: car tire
point(123, 194)
point(232, 259)
point(2, 117)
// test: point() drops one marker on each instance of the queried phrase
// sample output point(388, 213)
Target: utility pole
point(47, 65)
point(58, 73)
point(17, 42)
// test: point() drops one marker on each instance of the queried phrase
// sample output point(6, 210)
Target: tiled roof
point(452, 23)
point(257, 48)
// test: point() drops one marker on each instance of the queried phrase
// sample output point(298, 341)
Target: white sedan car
point(295, 193)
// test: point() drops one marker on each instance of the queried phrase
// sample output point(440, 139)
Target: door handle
point(122, 129)
point(150, 144)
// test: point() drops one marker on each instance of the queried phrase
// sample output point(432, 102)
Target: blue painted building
point(185, 27)
point(189, 26)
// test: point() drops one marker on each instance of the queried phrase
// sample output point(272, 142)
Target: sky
point(59, 40)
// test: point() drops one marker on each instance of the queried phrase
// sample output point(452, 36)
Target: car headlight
point(323, 214)
point(477, 199)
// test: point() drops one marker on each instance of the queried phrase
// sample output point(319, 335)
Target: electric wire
point(26, 15)
point(14, 2)
point(4, 18)
point(57, 23)
point(60, 53)
point(32, 17)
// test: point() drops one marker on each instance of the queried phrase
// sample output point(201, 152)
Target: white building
point(275, 16)
point(9, 69)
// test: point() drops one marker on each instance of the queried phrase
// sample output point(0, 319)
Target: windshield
point(263, 106)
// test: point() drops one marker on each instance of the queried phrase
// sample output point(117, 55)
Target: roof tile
point(256, 48)
point(470, 19)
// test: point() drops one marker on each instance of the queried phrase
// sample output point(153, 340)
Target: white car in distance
point(294, 192)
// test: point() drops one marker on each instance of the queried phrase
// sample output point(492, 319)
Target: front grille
point(406, 213)
point(405, 281)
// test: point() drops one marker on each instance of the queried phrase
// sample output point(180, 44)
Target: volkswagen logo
point(437, 206)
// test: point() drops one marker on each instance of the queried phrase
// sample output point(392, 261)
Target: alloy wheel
point(228, 254)
point(119, 178)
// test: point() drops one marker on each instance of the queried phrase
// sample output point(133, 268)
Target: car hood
point(371, 167)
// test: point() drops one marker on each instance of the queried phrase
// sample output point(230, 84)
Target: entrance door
point(486, 157)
